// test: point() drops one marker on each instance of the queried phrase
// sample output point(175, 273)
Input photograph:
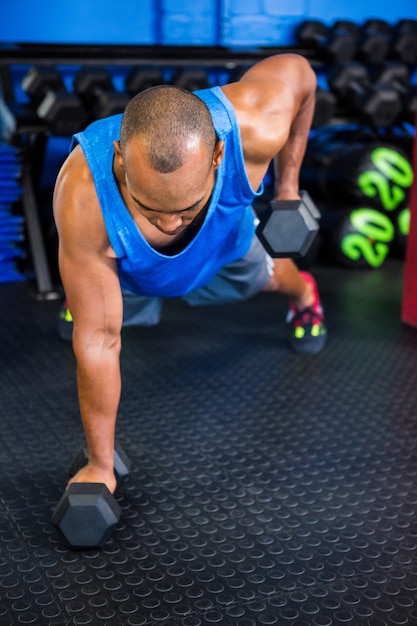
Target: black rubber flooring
point(266, 487)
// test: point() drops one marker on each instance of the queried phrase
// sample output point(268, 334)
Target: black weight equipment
point(63, 112)
point(325, 107)
point(39, 81)
point(87, 513)
point(287, 228)
point(191, 79)
point(374, 41)
point(337, 44)
point(404, 41)
point(357, 237)
point(397, 75)
point(377, 105)
point(95, 88)
point(139, 79)
point(376, 174)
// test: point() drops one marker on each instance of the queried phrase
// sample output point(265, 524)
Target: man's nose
point(169, 222)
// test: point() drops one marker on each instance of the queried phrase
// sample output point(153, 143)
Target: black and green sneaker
point(308, 334)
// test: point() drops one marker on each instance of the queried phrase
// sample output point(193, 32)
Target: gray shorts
point(238, 281)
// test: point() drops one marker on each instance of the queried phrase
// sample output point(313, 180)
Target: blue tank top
point(225, 235)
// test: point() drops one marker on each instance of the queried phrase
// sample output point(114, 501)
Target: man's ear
point(218, 154)
point(118, 153)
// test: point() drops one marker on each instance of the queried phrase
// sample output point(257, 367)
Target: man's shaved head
point(170, 123)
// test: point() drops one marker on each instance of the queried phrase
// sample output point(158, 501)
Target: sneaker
point(65, 323)
point(309, 332)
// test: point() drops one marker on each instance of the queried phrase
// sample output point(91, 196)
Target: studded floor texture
point(266, 487)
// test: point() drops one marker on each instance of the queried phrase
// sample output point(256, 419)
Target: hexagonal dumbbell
point(377, 105)
point(191, 79)
point(95, 88)
point(87, 513)
point(63, 112)
point(337, 43)
point(288, 227)
point(139, 79)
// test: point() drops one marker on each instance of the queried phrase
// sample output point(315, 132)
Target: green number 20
point(374, 231)
point(392, 167)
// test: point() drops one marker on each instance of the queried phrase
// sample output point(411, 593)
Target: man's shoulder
point(263, 113)
point(77, 211)
point(74, 187)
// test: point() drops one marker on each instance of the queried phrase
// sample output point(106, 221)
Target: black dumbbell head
point(381, 106)
point(63, 112)
point(140, 79)
point(410, 105)
point(324, 108)
point(39, 81)
point(374, 48)
point(397, 74)
point(404, 41)
point(110, 103)
point(346, 26)
point(310, 205)
point(88, 81)
point(377, 105)
point(312, 32)
point(374, 41)
point(338, 42)
point(392, 73)
point(341, 46)
point(86, 515)
point(287, 229)
point(344, 78)
point(122, 463)
point(376, 25)
point(191, 79)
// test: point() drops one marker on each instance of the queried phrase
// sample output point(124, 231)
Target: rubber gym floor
point(266, 487)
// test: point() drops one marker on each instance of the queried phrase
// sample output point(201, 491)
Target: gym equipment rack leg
point(45, 288)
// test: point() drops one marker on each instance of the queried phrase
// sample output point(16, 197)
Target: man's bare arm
point(92, 289)
point(274, 102)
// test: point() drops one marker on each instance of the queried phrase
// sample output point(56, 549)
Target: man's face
point(170, 202)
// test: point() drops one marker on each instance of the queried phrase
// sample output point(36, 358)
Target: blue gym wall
point(229, 23)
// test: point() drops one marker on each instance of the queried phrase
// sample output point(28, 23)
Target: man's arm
point(274, 102)
point(288, 161)
point(89, 275)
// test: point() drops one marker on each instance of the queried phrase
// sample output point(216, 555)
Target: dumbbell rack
point(29, 139)
point(24, 133)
